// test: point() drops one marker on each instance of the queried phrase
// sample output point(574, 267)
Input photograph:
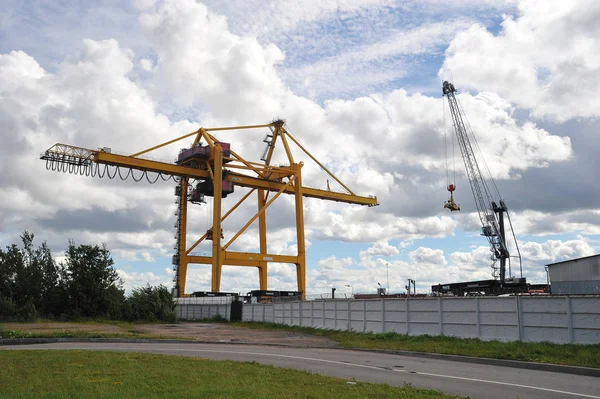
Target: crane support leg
point(217, 251)
point(301, 264)
point(181, 238)
point(262, 231)
point(262, 276)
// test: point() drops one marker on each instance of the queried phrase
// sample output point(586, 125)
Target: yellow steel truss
point(268, 179)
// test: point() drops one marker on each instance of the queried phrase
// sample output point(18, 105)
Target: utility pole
point(388, 277)
point(351, 288)
point(411, 281)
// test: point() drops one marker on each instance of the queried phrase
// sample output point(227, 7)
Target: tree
point(11, 262)
point(37, 278)
point(151, 304)
point(93, 286)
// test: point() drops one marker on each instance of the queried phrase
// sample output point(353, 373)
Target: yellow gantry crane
point(213, 170)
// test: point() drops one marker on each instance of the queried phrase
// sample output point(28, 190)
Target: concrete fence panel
point(565, 319)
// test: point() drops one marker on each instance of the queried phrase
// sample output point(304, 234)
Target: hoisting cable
point(474, 139)
point(445, 142)
point(516, 245)
point(66, 164)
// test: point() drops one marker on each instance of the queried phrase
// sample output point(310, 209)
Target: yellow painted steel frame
point(220, 256)
point(268, 179)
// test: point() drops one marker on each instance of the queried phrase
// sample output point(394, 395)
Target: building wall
point(519, 318)
point(576, 287)
point(587, 269)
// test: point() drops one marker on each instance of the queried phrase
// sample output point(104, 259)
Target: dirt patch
point(208, 332)
point(213, 332)
point(58, 327)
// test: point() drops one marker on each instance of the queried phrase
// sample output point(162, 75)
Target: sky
point(358, 83)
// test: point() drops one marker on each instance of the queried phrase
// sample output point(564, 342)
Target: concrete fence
point(200, 308)
point(518, 318)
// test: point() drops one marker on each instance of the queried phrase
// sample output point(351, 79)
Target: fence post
point(312, 314)
point(349, 325)
point(322, 313)
point(300, 312)
point(335, 314)
point(519, 321)
point(364, 315)
point(441, 319)
point(382, 315)
point(569, 319)
point(406, 309)
point(477, 317)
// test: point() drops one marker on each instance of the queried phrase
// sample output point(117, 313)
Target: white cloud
point(146, 64)
point(544, 224)
point(133, 280)
point(147, 257)
point(356, 70)
point(545, 61)
point(428, 255)
point(557, 250)
point(381, 248)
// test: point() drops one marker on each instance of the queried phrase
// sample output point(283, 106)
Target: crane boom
point(491, 212)
point(84, 156)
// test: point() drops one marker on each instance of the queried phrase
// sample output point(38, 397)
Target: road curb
point(556, 368)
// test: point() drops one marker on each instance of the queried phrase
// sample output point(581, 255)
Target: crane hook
point(450, 204)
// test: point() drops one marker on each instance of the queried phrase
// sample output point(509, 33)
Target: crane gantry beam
point(218, 169)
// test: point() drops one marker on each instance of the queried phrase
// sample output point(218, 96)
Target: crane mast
point(491, 212)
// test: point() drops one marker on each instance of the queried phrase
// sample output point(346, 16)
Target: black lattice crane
point(490, 206)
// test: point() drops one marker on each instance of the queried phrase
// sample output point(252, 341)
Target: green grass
point(131, 334)
point(542, 352)
point(91, 374)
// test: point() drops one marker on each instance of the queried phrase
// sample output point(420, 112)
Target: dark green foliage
point(29, 281)
point(85, 285)
point(151, 304)
point(92, 285)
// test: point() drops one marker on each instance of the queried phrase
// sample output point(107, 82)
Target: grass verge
point(541, 352)
point(90, 374)
point(132, 334)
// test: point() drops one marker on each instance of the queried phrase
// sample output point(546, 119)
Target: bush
point(151, 304)
point(9, 310)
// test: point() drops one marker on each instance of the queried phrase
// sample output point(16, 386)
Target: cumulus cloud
point(380, 248)
point(133, 280)
point(544, 61)
point(428, 255)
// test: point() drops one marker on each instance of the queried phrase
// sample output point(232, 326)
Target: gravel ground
point(208, 332)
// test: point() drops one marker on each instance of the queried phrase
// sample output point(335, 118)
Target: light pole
point(351, 288)
point(388, 276)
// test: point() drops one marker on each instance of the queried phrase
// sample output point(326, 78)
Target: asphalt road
point(474, 380)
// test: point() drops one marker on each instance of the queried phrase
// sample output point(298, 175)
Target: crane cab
point(209, 234)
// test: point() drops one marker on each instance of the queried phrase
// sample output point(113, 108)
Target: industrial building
point(577, 276)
